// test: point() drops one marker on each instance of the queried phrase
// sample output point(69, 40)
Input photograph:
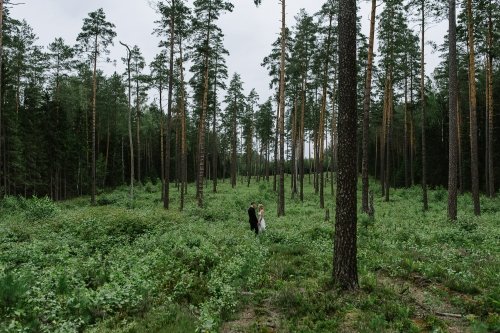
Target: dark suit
point(253, 220)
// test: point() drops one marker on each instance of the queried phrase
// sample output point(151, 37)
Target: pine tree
point(97, 34)
point(159, 73)
point(172, 24)
point(392, 48)
point(473, 110)
point(137, 64)
point(453, 102)
point(301, 55)
point(366, 110)
point(426, 10)
point(327, 47)
point(131, 142)
point(264, 128)
point(61, 62)
point(236, 102)
point(206, 13)
point(1, 92)
point(249, 130)
point(182, 112)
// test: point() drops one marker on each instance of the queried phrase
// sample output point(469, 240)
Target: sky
point(249, 31)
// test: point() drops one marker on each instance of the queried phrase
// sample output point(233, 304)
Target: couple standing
point(257, 224)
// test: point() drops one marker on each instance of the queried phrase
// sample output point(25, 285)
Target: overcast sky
point(249, 31)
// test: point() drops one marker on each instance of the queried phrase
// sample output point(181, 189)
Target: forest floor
point(124, 266)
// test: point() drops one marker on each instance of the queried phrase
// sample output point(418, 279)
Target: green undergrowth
point(131, 266)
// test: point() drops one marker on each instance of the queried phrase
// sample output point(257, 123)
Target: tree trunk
point(162, 147)
point(366, 110)
point(383, 139)
point(293, 184)
point(388, 101)
point(322, 116)
point(105, 161)
point(459, 141)
point(249, 159)
point(138, 128)
point(491, 177)
point(122, 159)
point(376, 153)
point(201, 134)
point(276, 136)
point(302, 135)
point(422, 97)
point(281, 190)
point(412, 130)
point(131, 143)
point(183, 130)
point(2, 191)
point(473, 112)
point(94, 97)
point(233, 148)
point(166, 196)
point(335, 136)
point(405, 144)
point(345, 272)
point(214, 134)
point(452, 128)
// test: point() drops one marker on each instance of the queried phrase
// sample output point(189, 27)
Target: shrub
point(440, 194)
point(39, 208)
point(150, 188)
point(12, 290)
point(10, 202)
point(365, 220)
point(104, 201)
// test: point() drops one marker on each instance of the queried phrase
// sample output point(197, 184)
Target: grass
point(125, 266)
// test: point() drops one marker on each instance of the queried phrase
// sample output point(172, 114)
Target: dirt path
point(260, 318)
point(418, 291)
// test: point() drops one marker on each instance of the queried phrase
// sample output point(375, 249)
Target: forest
point(124, 212)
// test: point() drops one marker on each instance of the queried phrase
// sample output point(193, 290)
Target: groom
point(253, 218)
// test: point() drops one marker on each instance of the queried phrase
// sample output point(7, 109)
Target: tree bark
point(233, 147)
point(162, 146)
point(345, 272)
point(94, 98)
point(214, 135)
point(491, 177)
point(293, 183)
point(405, 144)
point(422, 97)
point(183, 130)
point(201, 134)
point(388, 140)
point(2, 190)
point(322, 116)
point(473, 112)
point(366, 110)
point(281, 191)
point(276, 143)
point(131, 143)
point(453, 98)
point(166, 196)
point(302, 135)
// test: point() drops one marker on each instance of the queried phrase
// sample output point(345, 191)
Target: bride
point(262, 221)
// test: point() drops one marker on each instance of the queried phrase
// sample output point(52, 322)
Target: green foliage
point(38, 208)
point(10, 203)
point(110, 268)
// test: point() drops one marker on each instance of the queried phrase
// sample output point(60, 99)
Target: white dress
point(262, 221)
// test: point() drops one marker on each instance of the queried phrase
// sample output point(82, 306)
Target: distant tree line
point(68, 129)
